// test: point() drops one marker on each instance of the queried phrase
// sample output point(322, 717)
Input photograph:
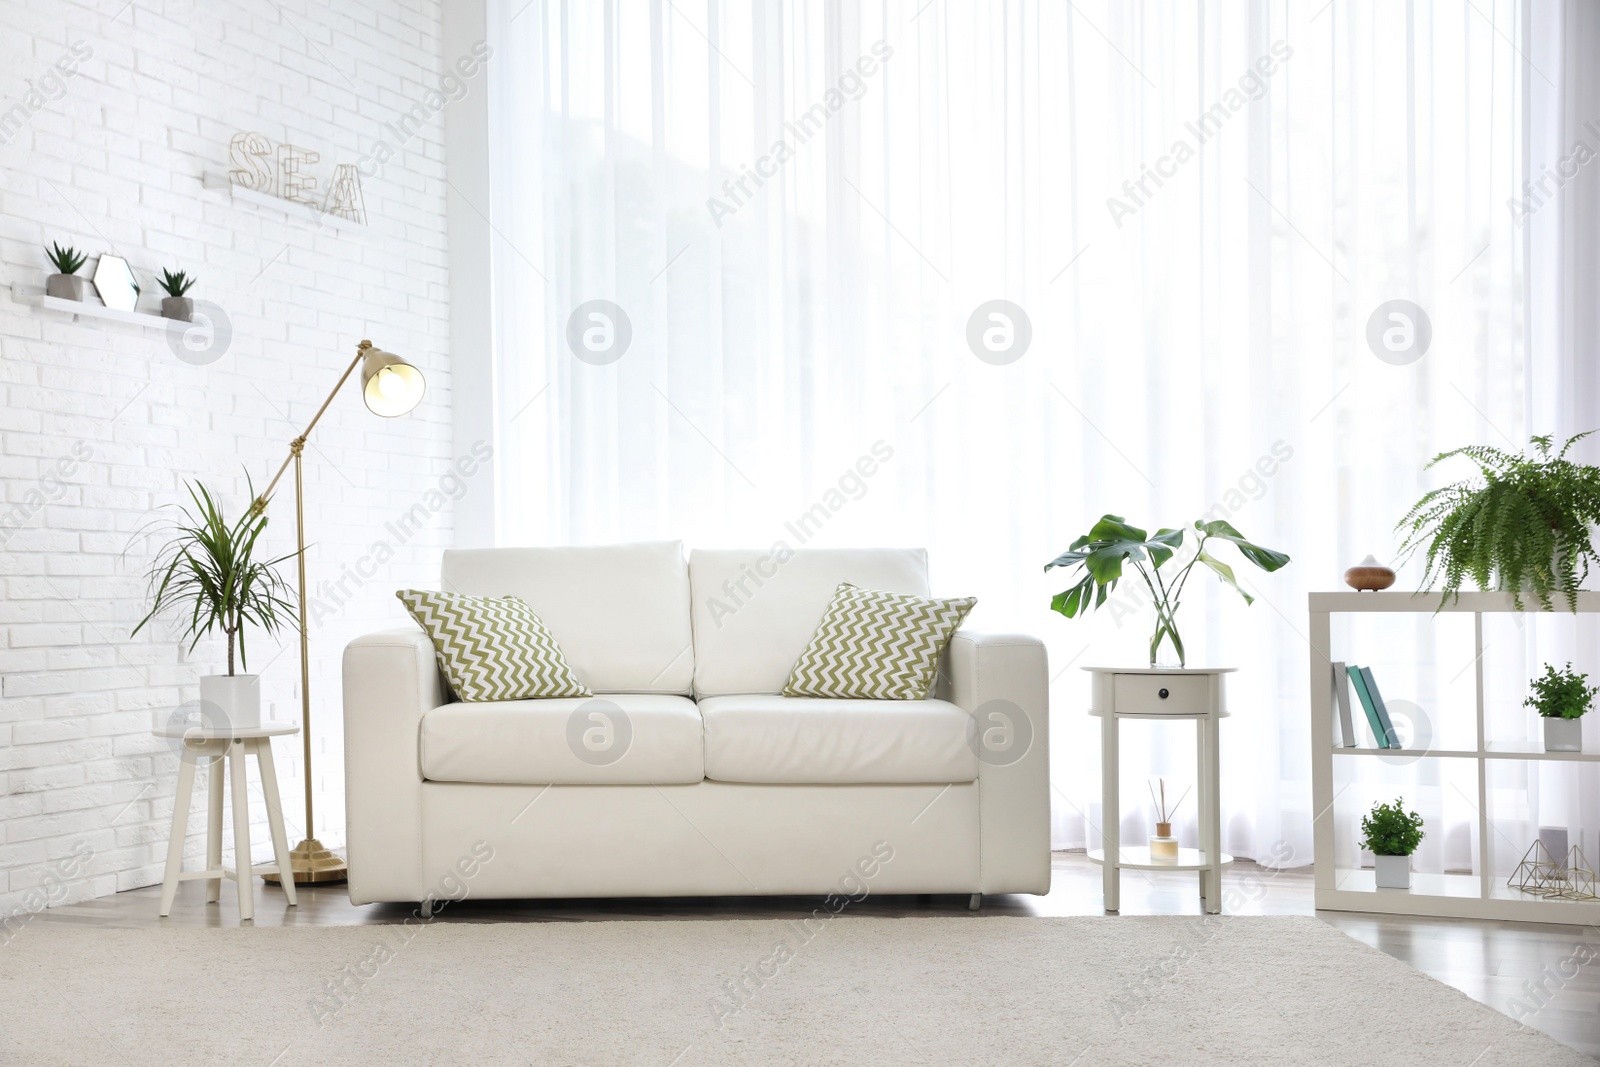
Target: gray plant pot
point(1563, 735)
point(178, 307)
point(64, 287)
point(1393, 872)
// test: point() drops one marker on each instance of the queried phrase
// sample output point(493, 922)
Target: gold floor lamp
point(390, 386)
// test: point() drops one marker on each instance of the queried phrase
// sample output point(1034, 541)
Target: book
point(1359, 683)
point(1341, 692)
point(1381, 708)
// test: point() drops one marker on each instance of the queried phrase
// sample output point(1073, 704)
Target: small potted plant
point(65, 283)
point(175, 305)
point(1391, 834)
point(1102, 551)
point(208, 572)
point(1522, 526)
point(1561, 698)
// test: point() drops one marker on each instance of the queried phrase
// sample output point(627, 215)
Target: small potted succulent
point(210, 575)
point(175, 305)
point(1391, 834)
point(1561, 698)
point(65, 283)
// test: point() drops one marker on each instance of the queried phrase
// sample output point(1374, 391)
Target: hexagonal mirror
point(113, 280)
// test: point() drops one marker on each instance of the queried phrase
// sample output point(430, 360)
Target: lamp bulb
point(390, 385)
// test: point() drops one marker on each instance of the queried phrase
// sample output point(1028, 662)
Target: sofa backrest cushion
point(755, 610)
point(620, 612)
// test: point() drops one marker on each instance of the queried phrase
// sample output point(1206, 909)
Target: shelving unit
point(23, 294)
point(219, 182)
point(1477, 896)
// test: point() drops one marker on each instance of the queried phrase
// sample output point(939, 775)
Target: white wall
point(101, 422)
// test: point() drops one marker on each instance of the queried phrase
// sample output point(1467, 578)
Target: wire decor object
point(1541, 874)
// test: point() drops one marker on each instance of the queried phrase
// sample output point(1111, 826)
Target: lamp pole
point(310, 861)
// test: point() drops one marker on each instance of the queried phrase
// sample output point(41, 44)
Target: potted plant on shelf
point(209, 573)
point(1561, 698)
point(65, 283)
point(1102, 552)
point(1523, 525)
point(175, 305)
point(1391, 834)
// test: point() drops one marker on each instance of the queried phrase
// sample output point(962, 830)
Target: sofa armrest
point(1003, 681)
point(391, 680)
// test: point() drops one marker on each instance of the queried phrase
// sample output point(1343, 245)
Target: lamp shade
point(389, 385)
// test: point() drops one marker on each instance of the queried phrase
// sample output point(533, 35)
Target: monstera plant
point(1100, 554)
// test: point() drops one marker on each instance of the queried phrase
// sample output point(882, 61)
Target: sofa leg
point(425, 908)
point(976, 902)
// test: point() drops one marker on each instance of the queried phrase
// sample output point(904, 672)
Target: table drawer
point(1161, 694)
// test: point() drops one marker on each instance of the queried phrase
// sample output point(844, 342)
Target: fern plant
point(1522, 525)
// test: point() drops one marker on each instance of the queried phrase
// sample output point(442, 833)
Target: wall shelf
point(24, 294)
point(1469, 896)
point(219, 182)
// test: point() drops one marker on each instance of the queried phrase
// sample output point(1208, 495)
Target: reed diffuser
point(1164, 846)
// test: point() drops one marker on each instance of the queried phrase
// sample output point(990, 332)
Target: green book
point(1359, 684)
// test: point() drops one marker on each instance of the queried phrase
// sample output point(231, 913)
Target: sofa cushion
point(618, 739)
point(492, 648)
point(755, 611)
point(876, 645)
point(816, 741)
point(620, 612)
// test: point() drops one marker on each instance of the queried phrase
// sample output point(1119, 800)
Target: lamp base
point(312, 865)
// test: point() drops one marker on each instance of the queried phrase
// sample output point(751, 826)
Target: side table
point(230, 746)
point(1192, 694)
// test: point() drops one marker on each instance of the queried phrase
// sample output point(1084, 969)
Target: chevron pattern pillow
point(492, 648)
point(876, 645)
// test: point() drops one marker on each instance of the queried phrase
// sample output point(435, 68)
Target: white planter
point(1563, 735)
point(1393, 872)
point(180, 308)
point(231, 701)
point(64, 286)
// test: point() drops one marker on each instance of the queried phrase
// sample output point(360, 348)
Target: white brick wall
point(101, 422)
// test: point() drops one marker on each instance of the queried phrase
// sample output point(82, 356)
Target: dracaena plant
point(1100, 555)
point(1522, 525)
point(210, 573)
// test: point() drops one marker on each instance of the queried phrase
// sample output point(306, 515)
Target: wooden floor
point(1492, 962)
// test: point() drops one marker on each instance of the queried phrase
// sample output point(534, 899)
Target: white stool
point(234, 746)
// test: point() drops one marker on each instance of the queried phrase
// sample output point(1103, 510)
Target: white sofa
point(713, 784)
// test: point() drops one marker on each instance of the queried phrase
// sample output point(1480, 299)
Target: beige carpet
point(965, 991)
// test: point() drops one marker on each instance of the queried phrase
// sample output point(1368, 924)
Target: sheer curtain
point(742, 245)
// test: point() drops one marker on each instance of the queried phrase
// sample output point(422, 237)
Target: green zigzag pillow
point(492, 648)
point(876, 645)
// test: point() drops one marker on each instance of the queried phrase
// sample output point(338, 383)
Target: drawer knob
point(1163, 694)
